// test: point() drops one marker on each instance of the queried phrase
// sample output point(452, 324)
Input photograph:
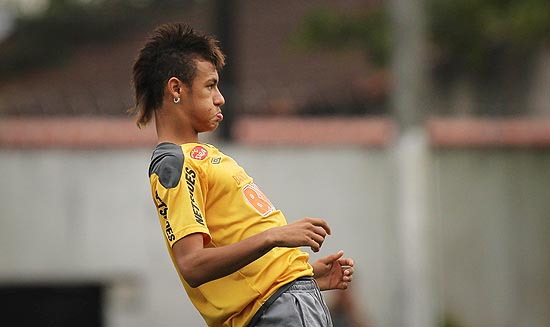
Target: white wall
point(87, 215)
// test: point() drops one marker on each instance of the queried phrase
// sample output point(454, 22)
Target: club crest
point(198, 153)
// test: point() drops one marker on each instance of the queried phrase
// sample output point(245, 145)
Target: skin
point(198, 111)
point(333, 271)
point(199, 108)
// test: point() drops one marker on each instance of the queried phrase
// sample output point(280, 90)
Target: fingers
point(336, 256)
point(323, 224)
point(317, 222)
point(348, 272)
point(329, 259)
point(346, 262)
point(316, 241)
point(314, 230)
point(317, 231)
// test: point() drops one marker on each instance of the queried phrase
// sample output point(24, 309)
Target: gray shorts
point(297, 304)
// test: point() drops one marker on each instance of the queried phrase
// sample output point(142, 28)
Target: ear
point(175, 87)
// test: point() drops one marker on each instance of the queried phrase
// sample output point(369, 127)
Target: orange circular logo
point(199, 153)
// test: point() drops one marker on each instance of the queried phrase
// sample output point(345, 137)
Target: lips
point(219, 115)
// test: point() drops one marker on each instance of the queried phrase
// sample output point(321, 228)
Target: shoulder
point(167, 163)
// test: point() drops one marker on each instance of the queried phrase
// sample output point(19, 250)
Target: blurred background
point(419, 129)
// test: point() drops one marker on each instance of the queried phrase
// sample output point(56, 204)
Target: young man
point(236, 256)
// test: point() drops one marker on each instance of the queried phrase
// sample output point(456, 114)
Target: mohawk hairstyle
point(170, 51)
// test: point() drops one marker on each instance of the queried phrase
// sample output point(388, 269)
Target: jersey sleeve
point(177, 194)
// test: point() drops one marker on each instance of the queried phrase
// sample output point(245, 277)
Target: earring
point(176, 100)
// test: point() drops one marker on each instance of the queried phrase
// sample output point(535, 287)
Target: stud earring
point(176, 100)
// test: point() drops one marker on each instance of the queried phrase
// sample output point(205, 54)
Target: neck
point(173, 129)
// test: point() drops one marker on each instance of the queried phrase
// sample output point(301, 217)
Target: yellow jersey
point(198, 189)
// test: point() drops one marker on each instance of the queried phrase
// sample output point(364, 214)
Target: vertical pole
point(411, 162)
point(409, 62)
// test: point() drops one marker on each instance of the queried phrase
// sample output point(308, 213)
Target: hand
point(333, 271)
point(304, 232)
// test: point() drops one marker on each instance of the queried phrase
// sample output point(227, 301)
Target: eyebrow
point(212, 80)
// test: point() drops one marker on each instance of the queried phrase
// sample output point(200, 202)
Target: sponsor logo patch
point(198, 153)
point(163, 212)
point(216, 161)
point(190, 178)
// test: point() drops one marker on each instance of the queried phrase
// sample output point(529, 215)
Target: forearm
point(199, 265)
point(206, 264)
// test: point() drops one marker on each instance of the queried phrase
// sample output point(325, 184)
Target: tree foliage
point(468, 35)
point(368, 31)
point(473, 35)
point(51, 37)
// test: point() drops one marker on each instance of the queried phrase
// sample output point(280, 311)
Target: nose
point(219, 100)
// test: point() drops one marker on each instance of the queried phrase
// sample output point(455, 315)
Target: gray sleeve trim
point(167, 163)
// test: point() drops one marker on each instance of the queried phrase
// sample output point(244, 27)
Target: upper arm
point(185, 250)
point(187, 245)
point(176, 194)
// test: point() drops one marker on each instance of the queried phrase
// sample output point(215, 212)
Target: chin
point(210, 128)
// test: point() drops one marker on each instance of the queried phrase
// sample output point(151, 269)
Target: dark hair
point(170, 51)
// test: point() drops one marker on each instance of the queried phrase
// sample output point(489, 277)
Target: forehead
point(205, 70)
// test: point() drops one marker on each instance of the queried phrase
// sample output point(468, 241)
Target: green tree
point(51, 37)
point(488, 42)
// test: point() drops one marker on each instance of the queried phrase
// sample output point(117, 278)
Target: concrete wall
point(491, 231)
point(85, 215)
